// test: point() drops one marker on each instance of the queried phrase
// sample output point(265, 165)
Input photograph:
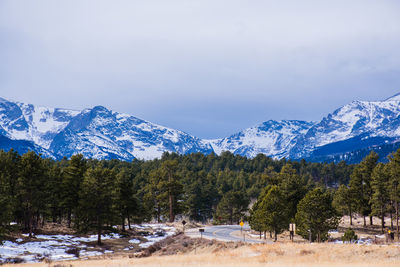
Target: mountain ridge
point(104, 134)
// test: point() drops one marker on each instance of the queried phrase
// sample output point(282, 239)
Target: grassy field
point(279, 254)
point(181, 250)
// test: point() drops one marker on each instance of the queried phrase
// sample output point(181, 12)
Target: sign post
point(292, 230)
point(201, 230)
point(241, 230)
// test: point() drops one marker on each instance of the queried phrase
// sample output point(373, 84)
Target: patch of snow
point(49, 249)
point(91, 253)
point(134, 241)
point(53, 246)
point(151, 239)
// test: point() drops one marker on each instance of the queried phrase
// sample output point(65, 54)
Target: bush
point(349, 236)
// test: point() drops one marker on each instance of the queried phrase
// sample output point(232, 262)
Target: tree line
point(93, 195)
point(372, 190)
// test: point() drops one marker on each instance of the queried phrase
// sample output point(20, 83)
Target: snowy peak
point(36, 124)
point(101, 133)
point(273, 138)
point(96, 133)
point(379, 118)
point(357, 125)
point(44, 123)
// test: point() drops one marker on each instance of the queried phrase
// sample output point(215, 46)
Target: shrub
point(349, 236)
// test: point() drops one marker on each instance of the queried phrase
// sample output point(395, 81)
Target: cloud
point(229, 64)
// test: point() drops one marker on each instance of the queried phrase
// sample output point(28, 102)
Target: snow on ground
point(54, 247)
point(58, 247)
point(35, 251)
point(359, 242)
point(161, 231)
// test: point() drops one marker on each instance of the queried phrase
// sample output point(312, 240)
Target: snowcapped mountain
point(345, 134)
point(96, 133)
point(37, 124)
point(272, 138)
point(354, 126)
point(101, 133)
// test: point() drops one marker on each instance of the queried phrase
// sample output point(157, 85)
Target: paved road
point(224, 233)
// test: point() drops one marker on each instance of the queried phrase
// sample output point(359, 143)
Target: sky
point(210, 68)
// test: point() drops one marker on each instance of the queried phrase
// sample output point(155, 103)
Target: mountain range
point(347, 133)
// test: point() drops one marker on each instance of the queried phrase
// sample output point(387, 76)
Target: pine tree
point(153, 197)
point(200, 195)
point(257, 218)
point(9, 172)
point(360, 185)
point(231, 208)
point(294, 187)
point(124, 197)
point(316, 214)
point(171, 187)
point(96, 198)
point(275, 209)
point(394, 185)
point(257, 213)
point(344, 202)
point(53, 188)
point(6, 210)
point(30, 185)
point(72, 179)
point(380, 195)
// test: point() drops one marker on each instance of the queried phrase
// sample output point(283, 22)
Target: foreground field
point(279, 254)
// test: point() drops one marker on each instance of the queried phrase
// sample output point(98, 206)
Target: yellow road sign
point(241, 223)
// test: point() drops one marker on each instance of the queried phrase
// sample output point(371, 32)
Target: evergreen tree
point(96, 199)
point(380, 195)
point(124, 197)
point(343, 202)
point(30, 185)
point(153, 197)
point(257, 214)
point(316, 214)
point(231, 208)
point(257, 218)
point(360, 185)
point(394, 185)
point(54, 190)
point(6, 211)
point(9, 172)
point(275, 210)
point(72, 179)
point(294, 188)
point(170, 186)
point(200, 195)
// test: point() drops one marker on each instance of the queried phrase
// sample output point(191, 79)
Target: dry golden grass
point(279, 254)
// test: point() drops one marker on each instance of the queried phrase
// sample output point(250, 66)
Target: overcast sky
point(209, 67)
